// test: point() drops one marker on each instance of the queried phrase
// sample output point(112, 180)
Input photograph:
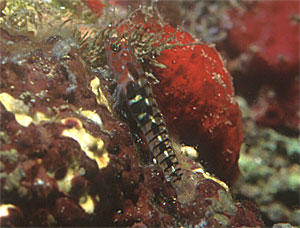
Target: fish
point(135, 91)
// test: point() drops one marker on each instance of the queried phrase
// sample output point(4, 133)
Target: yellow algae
point(206, 175)
point(21, 110)
point(92, 115)
point(101, 99)
point(4, 209)
point(23, 119)
point(104, 160)
point(18, 107)
point(87, 204)
point(65, 184)
point(92, 146)
point(39, 117)
point(13, 105)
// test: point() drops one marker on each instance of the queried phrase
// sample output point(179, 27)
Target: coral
point(266, 37)
point(270, 170)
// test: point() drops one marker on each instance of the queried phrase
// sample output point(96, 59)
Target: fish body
point(133, 86)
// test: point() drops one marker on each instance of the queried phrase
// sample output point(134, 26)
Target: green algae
point(10, 156)
point(12, 181)
point(270, 168)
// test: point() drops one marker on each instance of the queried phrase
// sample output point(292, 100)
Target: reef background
point(61, 146)
point(260, 42)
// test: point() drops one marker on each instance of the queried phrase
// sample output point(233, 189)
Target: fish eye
point(116, 47)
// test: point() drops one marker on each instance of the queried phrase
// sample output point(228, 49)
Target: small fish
point(135, 91)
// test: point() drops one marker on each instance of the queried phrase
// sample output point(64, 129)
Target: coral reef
point(67, 160)
point(270, 167)
point(59, 158)
point(210, 118)
point(52, 143)
point(265, 55)
point(262, 49)
point(273, 42)
point(207, 20)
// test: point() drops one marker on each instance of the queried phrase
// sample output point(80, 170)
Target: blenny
point(134, 89)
